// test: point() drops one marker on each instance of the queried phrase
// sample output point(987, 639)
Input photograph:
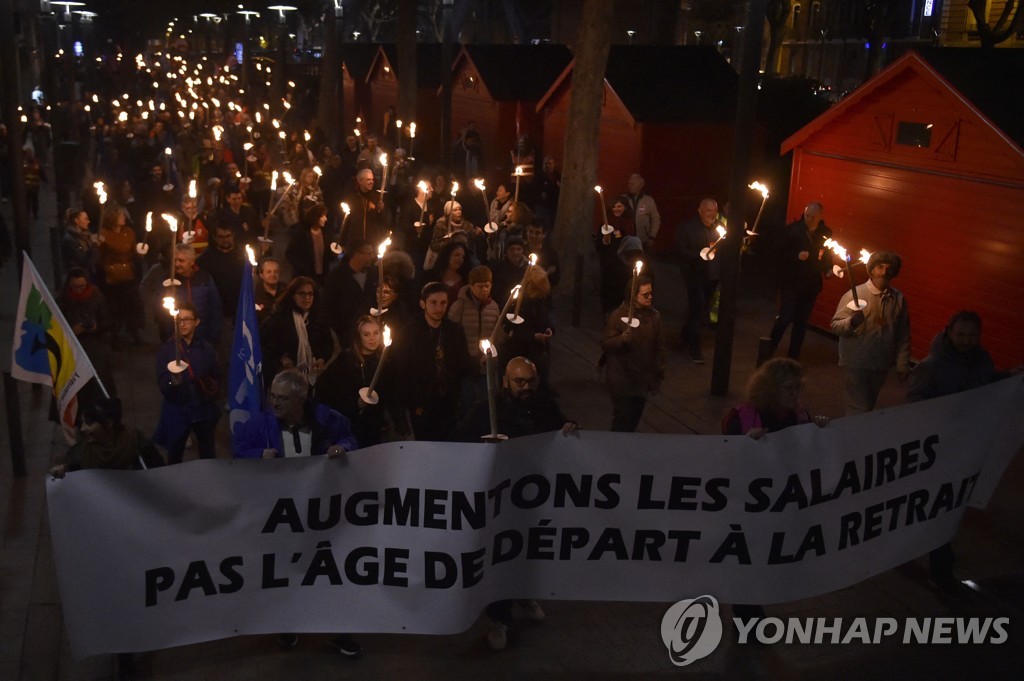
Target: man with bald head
point(367, 218)
point(802, 260)
point(522, 410)
point(700, 275)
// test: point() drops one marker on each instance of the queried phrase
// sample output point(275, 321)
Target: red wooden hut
point(926, 159)
point(356, 61)
point(667, 114)
point(382, 80)
point(498, 87)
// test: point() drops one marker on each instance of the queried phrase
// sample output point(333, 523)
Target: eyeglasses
point(305, 294)
point(649, 294)
point(186, 319)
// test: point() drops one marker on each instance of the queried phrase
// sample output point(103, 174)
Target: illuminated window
point(914, 134)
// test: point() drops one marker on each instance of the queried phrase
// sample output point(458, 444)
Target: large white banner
point(418, 537)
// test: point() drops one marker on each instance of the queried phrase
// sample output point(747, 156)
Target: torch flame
point(167, 151)
point(455, 188)
point(149, 221)
point(247, 146)
point(251, 255)
point(305, 133)
point(533, 259)
point(273, 181)
point(515, 291)
point(834, 246)
point(864, 256)
point(757, 186)
point(170, 307)
point(192, 189)
point(316, 169)
point(721, 231)
point(485, 346)
point(287, 177)
point(412, 130)
point(597, 188)
point(345, 208)
point(519, 170)
point(382, 249)
point(172, 222)
point(387, 336)
point(422, 186)
point(383, 158)
point(479, 184)
point(639, 266)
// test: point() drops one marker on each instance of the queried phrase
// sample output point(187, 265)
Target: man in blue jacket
point(293, 425)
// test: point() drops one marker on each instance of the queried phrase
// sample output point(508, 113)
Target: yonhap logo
point(691, 629)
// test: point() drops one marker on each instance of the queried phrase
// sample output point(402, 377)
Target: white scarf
point(304, 361)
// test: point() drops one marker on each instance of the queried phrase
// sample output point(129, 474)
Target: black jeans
point(698, 295)
point(204, 442)
point(795, 307)
point(626, 412)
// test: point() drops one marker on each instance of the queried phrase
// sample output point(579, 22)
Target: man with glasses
point(522, 410)
point(190, 396)
point(634, 356)
point(292, 425)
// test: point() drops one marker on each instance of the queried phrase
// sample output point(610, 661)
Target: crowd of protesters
point(179, 199)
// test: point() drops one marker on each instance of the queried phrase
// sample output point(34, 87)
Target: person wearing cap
point(105, 443)
point(874, 338)
point(452, 226)
point(509, 270)
point(618, 258)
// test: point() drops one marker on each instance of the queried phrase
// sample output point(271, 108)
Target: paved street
point(578, 640)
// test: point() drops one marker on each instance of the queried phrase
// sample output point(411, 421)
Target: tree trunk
point(11, 73)
point(407, 81)
point(328, 115)
point(579, 167)
point(746, 106)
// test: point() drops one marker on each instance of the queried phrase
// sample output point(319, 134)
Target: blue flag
point(245, 373)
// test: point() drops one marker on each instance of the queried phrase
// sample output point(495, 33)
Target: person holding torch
point(190, 403)
point(634, 356)
point(801, 260)
point(521, 409)
point(873, 337)
point(700, 275)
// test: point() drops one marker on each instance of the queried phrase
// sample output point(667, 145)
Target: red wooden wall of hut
point(487, 91)
point(911, 164)
point(383, 91)
point(681, 144)
point(356, 99)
